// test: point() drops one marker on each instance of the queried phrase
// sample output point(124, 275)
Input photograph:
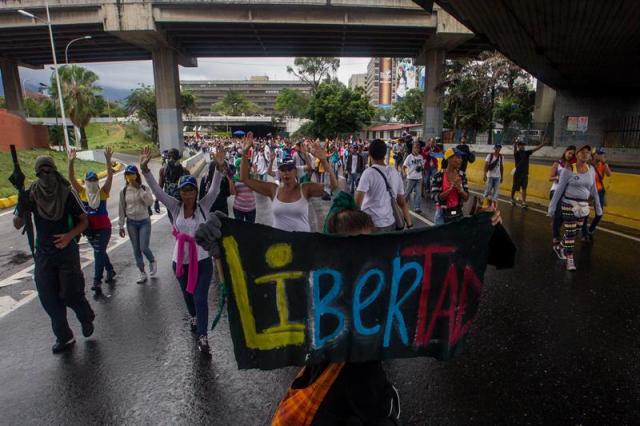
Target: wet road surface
point(547, 347)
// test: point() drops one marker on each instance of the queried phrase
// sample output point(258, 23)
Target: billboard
point(384, 99)
point(406, 76)
point(577, 124)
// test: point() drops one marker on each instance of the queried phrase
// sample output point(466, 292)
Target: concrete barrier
point(622, 190)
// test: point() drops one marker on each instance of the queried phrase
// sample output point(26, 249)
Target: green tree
point(235, 103)
point(141, 102)
point(335, 109)
point(409, 108)
point(314, 71)
point(189, 106)
point(291, 103)
point(2, 104)
point(79, 92)
point(475, 85)
point(384, 115)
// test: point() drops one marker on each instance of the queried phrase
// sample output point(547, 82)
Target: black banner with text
point(297, 297)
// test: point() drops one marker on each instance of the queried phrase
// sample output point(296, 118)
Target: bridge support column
point(545, 102)
point(168, 99)
point(434, 72)
point(12, 87)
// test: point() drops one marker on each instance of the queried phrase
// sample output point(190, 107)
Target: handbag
point(452, 214)
point(398, 216)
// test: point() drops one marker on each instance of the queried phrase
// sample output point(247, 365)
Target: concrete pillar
point(434, 72)
point(545, 103)
point(167, 86)
point(12, 87)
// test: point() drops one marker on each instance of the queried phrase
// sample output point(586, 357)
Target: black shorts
point(520, 182)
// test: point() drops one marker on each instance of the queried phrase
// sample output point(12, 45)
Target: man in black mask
point(170, 174)
point(59, 219)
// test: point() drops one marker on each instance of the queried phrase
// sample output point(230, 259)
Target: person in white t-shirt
point(372, 195)
point(260, 163)
point(413, 166)
point(493, 172)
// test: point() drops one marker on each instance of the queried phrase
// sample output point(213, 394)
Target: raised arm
point(317, 189)
point(543, 143)
point(267, 189)
point(214, 189)
point(170, 203)
point(72, 173)
point(106, 188)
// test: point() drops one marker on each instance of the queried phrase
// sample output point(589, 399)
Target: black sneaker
point(203, 345)
point(63, 346)
point(193, 324)
point(110, 277)
point(96, 286)
point(97, 292)
point(87, 329)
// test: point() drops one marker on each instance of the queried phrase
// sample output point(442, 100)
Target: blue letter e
point(321, 305)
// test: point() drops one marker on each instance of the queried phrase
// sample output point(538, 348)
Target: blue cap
point(131, 170)
point(187, 180)
point(91, 175)
point(600, 150)
point(497, 146)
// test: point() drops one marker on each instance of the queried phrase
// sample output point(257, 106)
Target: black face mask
point(172, 161)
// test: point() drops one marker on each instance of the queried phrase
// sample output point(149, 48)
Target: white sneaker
point(153, 269)
point(142, 277)
point(571, 266)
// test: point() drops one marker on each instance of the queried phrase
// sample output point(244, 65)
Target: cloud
point(128, 75)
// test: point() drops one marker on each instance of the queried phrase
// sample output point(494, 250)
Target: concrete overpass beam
point(168, 101)
point(12, 87)
point(545, 102)
point(434, 71)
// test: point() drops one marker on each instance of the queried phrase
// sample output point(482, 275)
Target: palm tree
point(79, 93)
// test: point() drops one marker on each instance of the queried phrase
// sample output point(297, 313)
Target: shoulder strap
point(204, 216)
point(383, 177)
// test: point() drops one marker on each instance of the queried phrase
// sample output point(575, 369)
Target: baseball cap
point(600, 150)
point(91, 175)
point(288, 165)
point(497, 146)
point(453, 151)
point(583, 147)
point(131, 170)
point(187, 180)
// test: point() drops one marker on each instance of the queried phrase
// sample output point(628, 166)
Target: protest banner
point(297, 297)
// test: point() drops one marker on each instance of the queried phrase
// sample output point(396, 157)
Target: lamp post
point(66, 49)
point(55, 66)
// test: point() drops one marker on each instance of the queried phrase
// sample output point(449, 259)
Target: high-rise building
point(358, 80)
point(259, 90)
point(388, 79)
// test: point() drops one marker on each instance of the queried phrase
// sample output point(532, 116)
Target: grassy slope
point(121, 137)
point(27, 161)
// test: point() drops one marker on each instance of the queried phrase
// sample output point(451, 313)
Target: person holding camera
point(413, 166)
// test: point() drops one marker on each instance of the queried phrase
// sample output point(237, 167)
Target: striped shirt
point(245, 198)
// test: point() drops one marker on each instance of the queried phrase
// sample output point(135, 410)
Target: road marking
point(7, 305)
point(544, 212)
point(422, 218)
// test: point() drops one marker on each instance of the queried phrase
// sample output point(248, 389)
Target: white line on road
point(422, 218)
point(544, 212)
point(6, 307)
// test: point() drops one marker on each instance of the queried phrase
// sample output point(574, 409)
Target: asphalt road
point(547, 347)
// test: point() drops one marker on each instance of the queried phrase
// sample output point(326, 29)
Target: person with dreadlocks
point(59, 219)
point(169, 177)
point(94, 197)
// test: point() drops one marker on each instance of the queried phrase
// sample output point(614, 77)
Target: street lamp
point(66, 49)
point(55, 65)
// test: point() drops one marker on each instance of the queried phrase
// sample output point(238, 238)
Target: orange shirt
point(600, 170)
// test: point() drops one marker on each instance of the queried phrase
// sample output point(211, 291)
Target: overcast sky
point(127, 75)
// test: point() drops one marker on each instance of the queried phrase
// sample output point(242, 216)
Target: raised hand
point(318, 151)
point(145, 157)
point(72, 155)
point(108, 153)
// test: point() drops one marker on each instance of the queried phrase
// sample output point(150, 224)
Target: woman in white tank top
point(290, 207)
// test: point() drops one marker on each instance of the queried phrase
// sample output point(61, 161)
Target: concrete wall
point(598, 108)
point(17, 131)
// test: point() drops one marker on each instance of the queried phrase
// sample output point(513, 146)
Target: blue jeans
point(429, 172)
point(352, 182)
point(198, 302)
point(586, 229)
point(493, 188)
point(438, 218)
point(140, 234)
point(415, 186)
point(99, 240)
